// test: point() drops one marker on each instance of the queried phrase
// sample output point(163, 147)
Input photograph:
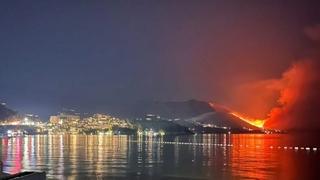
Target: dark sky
point(93, 55)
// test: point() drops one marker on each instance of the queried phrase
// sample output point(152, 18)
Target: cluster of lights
point(25, 121)
point(100, 124)
point(150, 133)
point(13, 133)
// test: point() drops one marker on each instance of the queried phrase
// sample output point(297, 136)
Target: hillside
point(172, 109)
point(5, 112)
point(193, 114)
point(220, 119)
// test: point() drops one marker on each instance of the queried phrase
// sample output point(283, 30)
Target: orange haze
point(297, 96)
point(290, 102)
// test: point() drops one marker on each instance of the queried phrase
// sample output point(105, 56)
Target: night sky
point(95, 55)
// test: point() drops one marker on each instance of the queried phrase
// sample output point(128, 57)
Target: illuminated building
point(54, 119)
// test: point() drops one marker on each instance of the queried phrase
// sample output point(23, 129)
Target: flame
point(259, 123)
point(290, 102)
point(255, 122)
point(298, 98)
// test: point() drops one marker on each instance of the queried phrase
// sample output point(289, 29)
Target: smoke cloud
point(291, 102)
point(299, 101)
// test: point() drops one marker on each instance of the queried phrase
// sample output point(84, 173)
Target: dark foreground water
point(184, 157)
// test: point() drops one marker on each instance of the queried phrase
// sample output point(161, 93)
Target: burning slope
point(255, 122)
point(298, 101)
point(296, 94)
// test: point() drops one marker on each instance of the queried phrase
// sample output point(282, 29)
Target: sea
point(202, 156)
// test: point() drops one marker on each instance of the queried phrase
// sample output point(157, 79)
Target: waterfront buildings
point(95, 124)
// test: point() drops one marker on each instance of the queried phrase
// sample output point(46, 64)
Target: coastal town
point(64, 123)
point(170, 118)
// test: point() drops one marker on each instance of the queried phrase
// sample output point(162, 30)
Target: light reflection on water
point(123, 157)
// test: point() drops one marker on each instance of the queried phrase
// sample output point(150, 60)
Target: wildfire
point(255, 122)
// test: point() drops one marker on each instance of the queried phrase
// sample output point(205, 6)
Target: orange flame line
point(255, 122)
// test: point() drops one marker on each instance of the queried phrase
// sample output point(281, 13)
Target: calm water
point(130, 157)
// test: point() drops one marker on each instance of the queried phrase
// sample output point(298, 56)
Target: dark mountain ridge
point(172, 109)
